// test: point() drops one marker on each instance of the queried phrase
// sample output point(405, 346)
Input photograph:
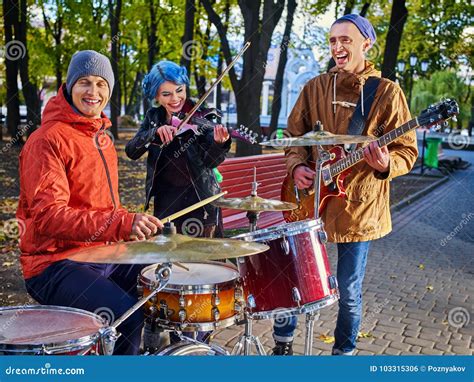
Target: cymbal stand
point(247, 339)
point(109, 335)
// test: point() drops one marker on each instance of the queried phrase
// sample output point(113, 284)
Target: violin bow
point(216, 82)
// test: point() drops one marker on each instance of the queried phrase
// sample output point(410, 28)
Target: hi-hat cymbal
point(255, 204)
point(314, 138)
point(168, 248)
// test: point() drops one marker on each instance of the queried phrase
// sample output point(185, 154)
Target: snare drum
point(202, 296)
point(45, 330)
point(293, 276)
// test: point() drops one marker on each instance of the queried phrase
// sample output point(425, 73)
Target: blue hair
point(161, 72)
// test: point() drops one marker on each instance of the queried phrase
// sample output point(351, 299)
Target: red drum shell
point(271, 277)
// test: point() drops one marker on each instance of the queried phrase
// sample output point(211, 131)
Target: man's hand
point(377, 157)
point(166, 133)
point(145, 226)
point(303, 176)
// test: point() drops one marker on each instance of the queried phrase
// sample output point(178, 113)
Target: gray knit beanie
point(89, 63)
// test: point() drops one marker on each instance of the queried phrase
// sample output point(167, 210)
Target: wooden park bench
point(237, 181)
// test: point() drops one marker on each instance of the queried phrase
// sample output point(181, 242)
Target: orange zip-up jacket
point(68, 188)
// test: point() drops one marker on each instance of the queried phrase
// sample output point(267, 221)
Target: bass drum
point(192, 348)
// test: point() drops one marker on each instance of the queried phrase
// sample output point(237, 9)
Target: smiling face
point(171, 96)
point(348, 47)
point(90, 95)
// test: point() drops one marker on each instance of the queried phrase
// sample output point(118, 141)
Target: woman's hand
point(166, 133)
point(221, 134)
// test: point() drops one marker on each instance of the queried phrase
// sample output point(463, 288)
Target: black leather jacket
point(203, 154)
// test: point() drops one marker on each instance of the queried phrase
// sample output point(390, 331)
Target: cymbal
point(168, 248)
point(314, 138)
point(254, 203)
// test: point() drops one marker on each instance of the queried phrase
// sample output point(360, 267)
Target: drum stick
point(192, 207)
point(181, 265)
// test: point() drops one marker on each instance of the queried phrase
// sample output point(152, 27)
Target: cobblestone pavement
point(419, 281)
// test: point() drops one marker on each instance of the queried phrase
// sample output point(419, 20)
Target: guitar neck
point(350, 160)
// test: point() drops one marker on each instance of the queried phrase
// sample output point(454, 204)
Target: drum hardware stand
point(162, 272)
point(247, 339)
point(309, 323)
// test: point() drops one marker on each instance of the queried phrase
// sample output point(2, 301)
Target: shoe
point(340, 352)
point(283, 348)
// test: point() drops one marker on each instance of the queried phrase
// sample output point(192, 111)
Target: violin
point(206, 119)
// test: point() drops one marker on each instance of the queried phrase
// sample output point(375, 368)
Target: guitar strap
point(357, 123)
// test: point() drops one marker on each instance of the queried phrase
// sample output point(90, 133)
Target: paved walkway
point(419, 282)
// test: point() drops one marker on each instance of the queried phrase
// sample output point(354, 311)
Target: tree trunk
point(278, 85)
point(364, 9)
point(188, 35)
point(30, 90)
point(12, 53)
point(392, 45)
point(220, 61)
point(133, 104)
point(349, 6)
point(258, 31)
point(115, 9)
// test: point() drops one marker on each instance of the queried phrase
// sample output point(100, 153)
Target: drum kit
point(281, 271)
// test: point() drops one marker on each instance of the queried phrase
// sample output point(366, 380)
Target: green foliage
point(436, 31)
point(443, 84)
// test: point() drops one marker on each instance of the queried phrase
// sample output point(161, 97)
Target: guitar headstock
point(245, 134)
point(438, 112)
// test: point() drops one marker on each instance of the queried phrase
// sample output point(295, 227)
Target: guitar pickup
point(326, 175)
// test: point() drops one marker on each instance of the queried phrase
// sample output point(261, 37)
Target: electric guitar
point(335, 170)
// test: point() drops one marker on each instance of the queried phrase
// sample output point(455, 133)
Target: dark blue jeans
point(351, 262)
point(106, 289)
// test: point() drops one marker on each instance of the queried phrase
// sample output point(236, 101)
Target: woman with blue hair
point(179, 167)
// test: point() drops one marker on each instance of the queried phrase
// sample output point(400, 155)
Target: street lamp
point(413, 61)
point(424, 65)
point(401, 66)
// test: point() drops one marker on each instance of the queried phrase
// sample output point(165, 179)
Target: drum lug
point(238, 307)
point(296, 295)
point(251, 301)
point(215, 300)
point(182, 301)
point(182, 315)
point(216, 314)
point(332, 282)
point(163, 310)
point(140, 291)
point(285, 245)
point(323, 237)
point(241, 260)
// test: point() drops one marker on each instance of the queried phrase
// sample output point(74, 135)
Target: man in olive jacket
point(364, 214)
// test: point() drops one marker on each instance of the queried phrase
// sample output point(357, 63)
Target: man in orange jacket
point(69, 199)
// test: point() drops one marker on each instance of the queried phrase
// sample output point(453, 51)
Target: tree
point(394, 36)
point(188, 35)
point(12, 50)
point(30, 89)
point(443, 84)
point(278, 85)
point(115, 10)
point(258, 28)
